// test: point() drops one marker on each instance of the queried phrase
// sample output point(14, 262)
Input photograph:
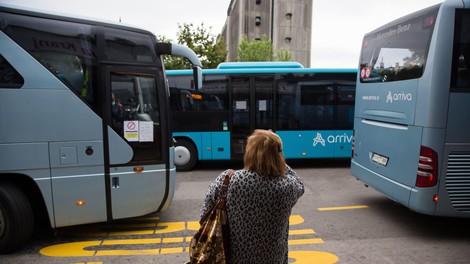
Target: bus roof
point(261, 68)
point(262, 64)
point(22, 10)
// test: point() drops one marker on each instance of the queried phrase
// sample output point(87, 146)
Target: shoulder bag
point(211, 243)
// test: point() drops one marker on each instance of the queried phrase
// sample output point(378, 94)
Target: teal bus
point(411, 124)
point(310, 109)
point(84, 122)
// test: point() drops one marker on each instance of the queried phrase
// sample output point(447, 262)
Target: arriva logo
point(332, 139)
point(398, 97)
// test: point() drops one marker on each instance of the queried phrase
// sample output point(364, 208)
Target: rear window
point(398, 52)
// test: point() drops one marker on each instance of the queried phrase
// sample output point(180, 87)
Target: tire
point(185, 155)
point(16, 218)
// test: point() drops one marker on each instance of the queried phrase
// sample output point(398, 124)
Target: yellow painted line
point(161, 228)
point(173, 240)
point(305, 241)
point(171, 250)
point(132, 233)
point(307, 257)
point(82, 249)
point(342, 208)
point(133, 241)
point(295, 220)
point(193, 225)
point(133, 252)
point(302, 232)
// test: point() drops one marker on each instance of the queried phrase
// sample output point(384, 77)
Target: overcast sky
point(337, 28)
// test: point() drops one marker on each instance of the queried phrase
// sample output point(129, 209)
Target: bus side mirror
point(197, 75)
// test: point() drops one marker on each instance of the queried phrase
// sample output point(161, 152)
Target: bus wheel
point(16, 218)
point(185, 155)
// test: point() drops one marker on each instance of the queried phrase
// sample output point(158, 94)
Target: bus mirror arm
point(180, 50)
point(197, 75)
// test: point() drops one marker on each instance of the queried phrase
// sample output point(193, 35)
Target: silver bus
point(84, 122)
point(411, 126)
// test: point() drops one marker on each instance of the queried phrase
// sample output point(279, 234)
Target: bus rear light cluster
point(427, 168)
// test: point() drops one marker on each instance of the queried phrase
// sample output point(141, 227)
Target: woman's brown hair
point(264, 154)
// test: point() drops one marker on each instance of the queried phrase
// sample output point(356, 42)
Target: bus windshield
point(399, 51)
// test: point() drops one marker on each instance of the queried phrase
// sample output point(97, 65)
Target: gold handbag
point(211, 243)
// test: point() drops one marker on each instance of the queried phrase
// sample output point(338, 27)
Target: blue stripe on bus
point(210, 145)
point(297, 144)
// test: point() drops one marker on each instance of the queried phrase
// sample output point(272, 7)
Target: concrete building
point(287, 23)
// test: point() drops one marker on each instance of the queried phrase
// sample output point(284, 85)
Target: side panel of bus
point(62, 127)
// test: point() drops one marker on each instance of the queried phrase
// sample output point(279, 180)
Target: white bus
point(84, 122)
point(412, 129)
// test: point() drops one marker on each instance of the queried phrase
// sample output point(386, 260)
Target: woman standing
point(259, 201)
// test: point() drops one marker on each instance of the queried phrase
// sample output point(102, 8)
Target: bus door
point(135, 156)
point(252, 108)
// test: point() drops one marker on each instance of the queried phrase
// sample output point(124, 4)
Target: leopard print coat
point(258, 209)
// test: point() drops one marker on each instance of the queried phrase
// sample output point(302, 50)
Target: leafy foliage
point(256, 50)
point(209, 48)
point(260, 50)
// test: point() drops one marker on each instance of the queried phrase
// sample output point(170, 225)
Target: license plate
point(379, 159)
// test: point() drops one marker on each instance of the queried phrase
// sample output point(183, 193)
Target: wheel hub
point(182, 156)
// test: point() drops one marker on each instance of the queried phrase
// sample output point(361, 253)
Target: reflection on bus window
point(397, 53)
point(134, 99)
point(212, 97)
point(305, 105)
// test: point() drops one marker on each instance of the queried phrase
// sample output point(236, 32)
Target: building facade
point(287, 23)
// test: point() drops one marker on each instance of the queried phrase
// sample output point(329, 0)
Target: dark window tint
point(398, 52)
point(305, 105)
point(345, 106)
point(135, 114)
point(461, 56)
point(213, 96)
point(129, 46)
point(66, 49)
point(9, 77)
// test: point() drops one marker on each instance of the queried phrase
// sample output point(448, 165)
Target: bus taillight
point(427, 168)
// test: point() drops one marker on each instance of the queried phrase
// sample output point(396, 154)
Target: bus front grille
point(458, 180)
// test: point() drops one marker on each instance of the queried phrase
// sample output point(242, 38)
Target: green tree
point(283, 55)
point(209, 48)
point(255, 50)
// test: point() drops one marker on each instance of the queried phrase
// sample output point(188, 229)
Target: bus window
point(345, 106)
point(9, 77)
point(305, 105)
point(397, 53)
point(461, 58)
point(66, 49)
point(128, 46)
point(215, 92)
point(264, 103)
point(136, 104)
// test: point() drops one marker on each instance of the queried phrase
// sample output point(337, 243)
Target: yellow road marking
point(302, 232)
point(317, 257)
point(305, 241)
point(295, 220)
point(153, 246)
point(133, 241)
point(342, 208)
